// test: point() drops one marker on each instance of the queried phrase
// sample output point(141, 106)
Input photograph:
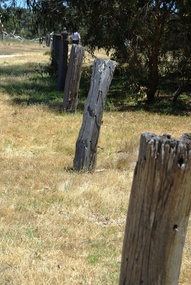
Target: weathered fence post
point(62, 64)
point(47, 39)
point(1, 29)
point(55, 53)
point(86, 145)
point(73, 78)
point(158, 213)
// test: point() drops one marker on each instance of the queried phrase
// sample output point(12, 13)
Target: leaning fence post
point(86, 145)
point(158, 213)
point(72, 81)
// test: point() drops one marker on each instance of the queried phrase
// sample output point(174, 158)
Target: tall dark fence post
point(47, 40)
point(86, 145)
point(55, 53)
point(158, 213)
point(73, 78)
point(62, 64)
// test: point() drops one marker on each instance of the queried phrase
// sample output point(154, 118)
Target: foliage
point(40, 18)
point(141, 34)
point(18, 21)
point(49, 15)
point(150, 39)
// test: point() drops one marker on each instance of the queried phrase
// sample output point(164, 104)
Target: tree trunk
point(158, 212)
point(179, 91)
point(153, 58)
point(86, 145)
point(153, 79)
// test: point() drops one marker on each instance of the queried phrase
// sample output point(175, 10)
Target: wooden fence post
point(158, 213)
point(73, 75)
point(86, 145)
point(62, 64)
point(55, 53)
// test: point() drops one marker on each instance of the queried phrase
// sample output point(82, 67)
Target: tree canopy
point(143, 34)
point(152, 38)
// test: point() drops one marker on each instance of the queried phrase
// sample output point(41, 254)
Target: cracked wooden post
point(72, 81)
point(158, 213)
point(86, 145)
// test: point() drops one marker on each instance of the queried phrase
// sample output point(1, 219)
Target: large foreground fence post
point(86, 145)
point(158, 213)
point(73, 78)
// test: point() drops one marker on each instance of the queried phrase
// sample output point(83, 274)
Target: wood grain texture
point(73, 76)
point(158, 212)
point(86, 145)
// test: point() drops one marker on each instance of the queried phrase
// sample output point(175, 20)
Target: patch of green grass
point(31, 232)
point(100, 252)
point(31, 85)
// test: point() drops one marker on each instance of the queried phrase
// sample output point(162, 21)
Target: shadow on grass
point(164, 106)
point(31, 84)
point(122, 99)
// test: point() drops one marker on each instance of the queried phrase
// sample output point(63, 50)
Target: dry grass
point(57, 226)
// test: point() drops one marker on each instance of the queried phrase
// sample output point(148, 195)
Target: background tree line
point(150, 39)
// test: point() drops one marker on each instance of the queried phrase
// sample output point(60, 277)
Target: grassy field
point(57, 226)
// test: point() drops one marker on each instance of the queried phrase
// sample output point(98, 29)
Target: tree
point(45, 15)
point(183, 48)
point(16, 20)
point(141, 33)
point(50, 14)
